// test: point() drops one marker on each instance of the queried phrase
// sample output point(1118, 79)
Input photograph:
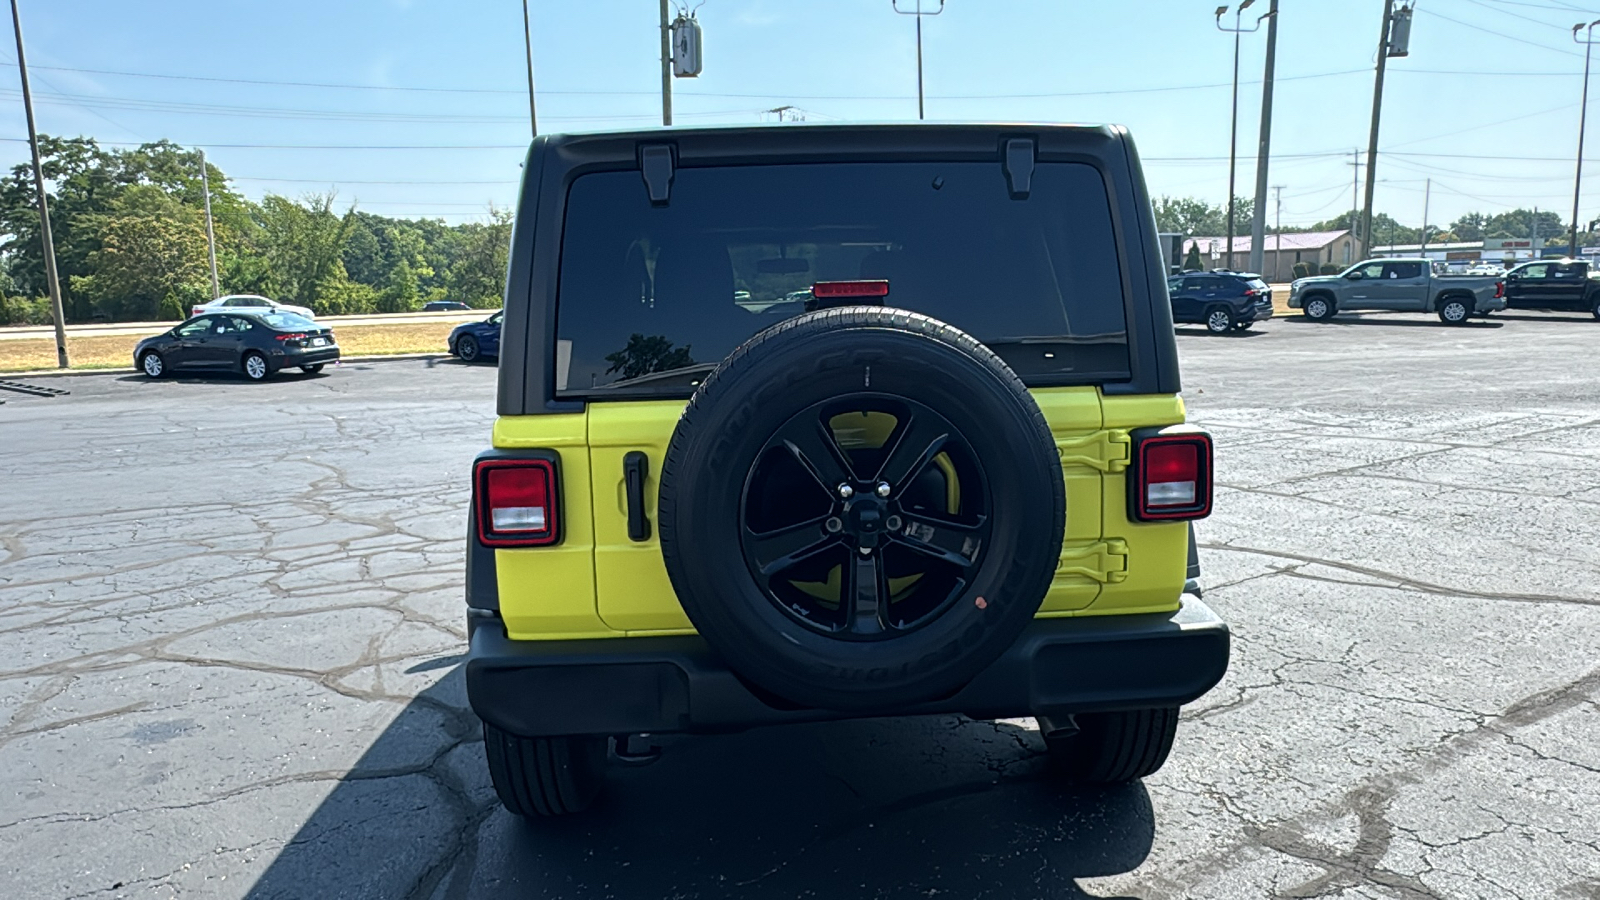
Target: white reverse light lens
point(1166, 493)
point(531, 518)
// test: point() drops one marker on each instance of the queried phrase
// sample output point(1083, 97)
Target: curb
point(69, 373)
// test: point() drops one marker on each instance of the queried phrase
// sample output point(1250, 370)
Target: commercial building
point(1279, 251)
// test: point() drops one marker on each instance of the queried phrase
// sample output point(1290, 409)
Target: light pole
point(52, 280)
point(1583, 111)
point(527, 45)
point(1233, 130)
point(918, 13)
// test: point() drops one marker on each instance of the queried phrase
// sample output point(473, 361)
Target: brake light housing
point(516, 501)
point(1170, 478)
point(1499, 289)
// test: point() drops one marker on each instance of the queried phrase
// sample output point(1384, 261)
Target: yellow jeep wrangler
point(821, 422)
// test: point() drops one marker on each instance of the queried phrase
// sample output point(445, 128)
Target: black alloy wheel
point(861, 508)
point(867, 515)
point(467, 348)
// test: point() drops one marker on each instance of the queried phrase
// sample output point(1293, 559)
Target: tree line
point(1197, 218)
point(130, 240)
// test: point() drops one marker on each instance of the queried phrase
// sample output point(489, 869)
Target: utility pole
point(1427, 195)
point(1355, 201)
point(527, 43)
point(1258, 222)
point(1233, 130)
point(1583, 111)
point(918, 14)
point(1384, 49)
point(52, 280)
point(666, 65)
point(211, 234)
point(1277, 250)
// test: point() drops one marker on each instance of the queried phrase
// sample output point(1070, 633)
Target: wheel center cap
point(864, 517)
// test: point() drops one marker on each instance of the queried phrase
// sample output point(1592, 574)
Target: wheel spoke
point(917, 440)
point(952, 542)
point(812, 444)
point(865, 596)
point(775, 551)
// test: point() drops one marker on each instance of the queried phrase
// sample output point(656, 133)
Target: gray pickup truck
point(1398, 285)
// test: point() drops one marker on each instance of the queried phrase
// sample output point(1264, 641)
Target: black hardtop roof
point(840, 140)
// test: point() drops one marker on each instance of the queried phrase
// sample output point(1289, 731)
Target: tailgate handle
point(635, 466)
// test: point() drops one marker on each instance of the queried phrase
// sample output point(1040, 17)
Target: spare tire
point(861, 508)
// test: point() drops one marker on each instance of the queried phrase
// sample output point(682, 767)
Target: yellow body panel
point(599, 583)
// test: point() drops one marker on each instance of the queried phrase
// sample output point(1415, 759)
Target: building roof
point(1301, 240)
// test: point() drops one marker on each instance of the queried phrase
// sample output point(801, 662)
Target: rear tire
point(550, 776)
point(1219, 320)
point(1454, 310)
point(1319, 309)
point(1242, 326)
point(255, 366)
point(467, 348)
point(1596, 308)
point(312, 369)
point(1114, 747)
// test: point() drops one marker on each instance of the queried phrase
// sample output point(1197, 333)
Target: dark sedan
point(473, 341)
point(445, 306)
point(256, 344)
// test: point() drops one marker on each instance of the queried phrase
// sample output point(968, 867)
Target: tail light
point(196, 310)
point(297, 336)
point(1499, 289)
point(828, 290)
point(515, 502)
point(1171, 477)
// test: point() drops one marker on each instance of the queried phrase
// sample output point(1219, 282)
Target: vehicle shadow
point(223, 375)
point(884, 808)
point(1201, 331)
point(1389, 321)
point(452, 360)
point(1553, 316)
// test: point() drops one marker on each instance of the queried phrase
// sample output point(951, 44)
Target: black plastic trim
point(1058, 667)
point(528, 362)
point(635, 470)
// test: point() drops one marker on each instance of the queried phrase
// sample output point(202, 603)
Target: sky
point(419, 108)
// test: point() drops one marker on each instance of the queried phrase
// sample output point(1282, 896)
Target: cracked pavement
point(231, 623)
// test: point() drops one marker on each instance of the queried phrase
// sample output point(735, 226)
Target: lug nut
point(833, 525)
point(883, 489)
point(893, 523)
point(846, 491)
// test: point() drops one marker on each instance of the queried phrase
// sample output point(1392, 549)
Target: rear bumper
point(1260, 312)
point(309, 356)
point(679, 684)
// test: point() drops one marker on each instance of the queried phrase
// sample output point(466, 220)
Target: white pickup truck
point(1398, 285)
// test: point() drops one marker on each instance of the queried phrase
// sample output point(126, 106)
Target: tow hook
point(630, 754)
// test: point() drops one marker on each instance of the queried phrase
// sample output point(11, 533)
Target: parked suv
point(1221, 301)
point(828, 422)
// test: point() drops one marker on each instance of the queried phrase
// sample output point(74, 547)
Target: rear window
point(1256, 284)
point(284, 320)
point(650, 298)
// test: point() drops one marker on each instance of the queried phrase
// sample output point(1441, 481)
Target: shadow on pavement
point(883, 808)
point(1388, 320)
point(1201, 331)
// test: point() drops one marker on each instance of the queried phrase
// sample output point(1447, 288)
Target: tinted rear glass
point(285, 321)
point(651, 296)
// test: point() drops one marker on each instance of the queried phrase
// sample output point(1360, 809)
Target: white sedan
point(249, 301)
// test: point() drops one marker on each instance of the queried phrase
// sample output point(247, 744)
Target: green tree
point(150, 259)
point(305, 245)
point(400, 294)
point(477, 275)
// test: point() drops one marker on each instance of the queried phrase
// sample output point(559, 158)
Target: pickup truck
point(1398, 285)
point(1562, 285)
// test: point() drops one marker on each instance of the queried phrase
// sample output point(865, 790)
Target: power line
point(1500, 34)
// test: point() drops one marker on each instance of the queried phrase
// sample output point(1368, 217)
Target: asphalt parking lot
point(231, 622)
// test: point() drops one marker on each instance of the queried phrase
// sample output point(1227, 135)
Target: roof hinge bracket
point(656, 164)
point(1017, 159)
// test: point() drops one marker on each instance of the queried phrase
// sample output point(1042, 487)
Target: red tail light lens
point(516, 502)
point(1499, 289)
point(1172, 477)
point(290, 337)
point(830, 290)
